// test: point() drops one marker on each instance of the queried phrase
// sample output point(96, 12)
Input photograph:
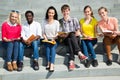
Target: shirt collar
point(28, 24)
point(9, 23)
point(107, 20)
point(69, 20)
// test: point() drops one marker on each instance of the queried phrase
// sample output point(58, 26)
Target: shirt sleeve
point(19, 31)
point(42, 27)
point(23, 33)
point(60, 25)
point(76, 23)
point(3, 31)
point(101, 26)
point(95, 21)
point(116, 24)
point(39, 30)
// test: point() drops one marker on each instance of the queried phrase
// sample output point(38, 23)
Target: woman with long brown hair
point(89, 39)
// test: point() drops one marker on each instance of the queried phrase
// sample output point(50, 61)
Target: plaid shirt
point(71, 25)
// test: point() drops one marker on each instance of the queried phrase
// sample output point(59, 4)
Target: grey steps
point(62, 60)
point(39, 8)
point(61, 71)
point(89, 78)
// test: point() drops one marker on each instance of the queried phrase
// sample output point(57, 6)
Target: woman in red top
point(11, 30)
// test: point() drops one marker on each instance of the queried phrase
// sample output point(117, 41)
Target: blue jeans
point(50, 52)
point(34, 45)
point(87, 47)
point(12, 50)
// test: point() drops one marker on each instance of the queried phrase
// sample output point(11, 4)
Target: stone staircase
point(61, 70)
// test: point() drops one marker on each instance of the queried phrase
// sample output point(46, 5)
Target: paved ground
point(90, 78)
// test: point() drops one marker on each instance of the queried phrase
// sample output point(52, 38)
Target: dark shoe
point(94, 63)
point(51, 70)
point(47, 68)
point(35, 65)
point(109, 62)
point(20, 66)
point(87, 63)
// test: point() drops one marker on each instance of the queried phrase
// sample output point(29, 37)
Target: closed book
point(31, 38)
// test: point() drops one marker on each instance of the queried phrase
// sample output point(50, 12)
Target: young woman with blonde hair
point(11, 31)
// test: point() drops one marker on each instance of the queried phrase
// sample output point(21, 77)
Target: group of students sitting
point(68, 29)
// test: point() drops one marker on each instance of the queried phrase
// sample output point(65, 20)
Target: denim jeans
point(12, 50)
point(50, 52)
point(34, 45)
point(87, 47)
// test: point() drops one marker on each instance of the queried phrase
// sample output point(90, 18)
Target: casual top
point(10, 31)
point(34, 28)
point(89, 29)
point(110, 25)
point(71, 25)
point(50, 30)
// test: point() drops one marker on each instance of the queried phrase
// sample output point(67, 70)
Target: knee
point(35, 43)
point(72, 34)
point(118, 40)
point(21, 44)
point(106, 40)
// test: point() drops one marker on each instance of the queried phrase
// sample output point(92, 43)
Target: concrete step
point(117, 5)
point(89, 78)
point(60, 59)
point(39, 7)
point(61, 71)
point(115, 10)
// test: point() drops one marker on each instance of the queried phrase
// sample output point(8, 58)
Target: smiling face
point(66, 12)
point(103, 13)
point(14, 17)
point(29, 18)
point(51, 14)
point(87, 12)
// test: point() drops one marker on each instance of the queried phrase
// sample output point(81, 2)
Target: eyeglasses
point(14, 11)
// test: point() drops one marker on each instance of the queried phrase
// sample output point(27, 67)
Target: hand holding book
point(30, 39)
point(108, 32)
point(61, 33)
point(49, 41)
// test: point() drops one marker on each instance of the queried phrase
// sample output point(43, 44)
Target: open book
point(88, 38)
point(107, 31)
point(60, 33)
point(51, 42)
point(31, 38)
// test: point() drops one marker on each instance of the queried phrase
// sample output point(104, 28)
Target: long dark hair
point(55, 16)
point(88, 6)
